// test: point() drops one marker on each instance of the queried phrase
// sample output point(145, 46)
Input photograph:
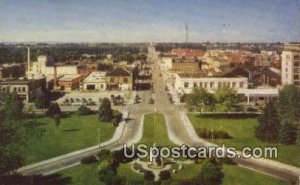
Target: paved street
point(179, 131)
point(182, 132)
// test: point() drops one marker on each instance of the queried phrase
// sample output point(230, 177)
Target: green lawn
point(88, 174)
point(242, 131)
point(155, 131)
point(234, 175)
point(75, 132)
point(83, 174)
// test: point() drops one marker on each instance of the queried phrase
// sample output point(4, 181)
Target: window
point(211, 84)
point(296, 77)
point(297, 64)
point(241, 84)
point(186, 84)
point(233, 84)
point(195, 85)
point(288, 56)
point(15, 89)
point(296, 57)
point(201, 84)
point(125, 80)
point(112, 80)
point(23, 89)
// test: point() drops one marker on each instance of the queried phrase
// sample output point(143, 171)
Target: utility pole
point(99, 137)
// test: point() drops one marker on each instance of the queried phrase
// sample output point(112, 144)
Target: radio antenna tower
point(186, 33)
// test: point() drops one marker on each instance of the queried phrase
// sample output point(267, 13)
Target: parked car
point(151, 101)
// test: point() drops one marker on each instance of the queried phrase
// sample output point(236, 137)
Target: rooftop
point(119, 71)
point(96, 76)
point(67, 78)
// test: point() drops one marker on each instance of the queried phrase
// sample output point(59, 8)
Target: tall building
point(290, 65)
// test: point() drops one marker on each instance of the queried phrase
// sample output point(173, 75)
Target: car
point(151, 101)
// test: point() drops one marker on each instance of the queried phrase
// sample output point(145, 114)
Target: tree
point(210, 174)
point(105, 111)
point(288, 133)
point(226, 99)
point(56, 118)
point(40, 100)
point(165, 175)
point(12, 132)
point(289, 113)
point(149, 176)
point(269, 123)
point(11, 106)
point(53, 109)
point(200, 98)
point(289, 106)
point(84, 110)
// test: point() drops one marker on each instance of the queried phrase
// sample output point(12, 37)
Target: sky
point(149, 20)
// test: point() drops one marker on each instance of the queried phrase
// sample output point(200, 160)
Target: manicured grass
point(124, 170)
point(74, 132)
point(88, 174)
point(243, 133)
point(234, 175)
point(83, 174)
point(155, 131)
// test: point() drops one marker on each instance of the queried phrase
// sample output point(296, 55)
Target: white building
point(96, 81)
point(290, 65)
point(166, 62)
point(42, 67)
point(184, 84)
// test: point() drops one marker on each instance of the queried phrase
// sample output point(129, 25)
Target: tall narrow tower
point(186, 33)
point(28, 61)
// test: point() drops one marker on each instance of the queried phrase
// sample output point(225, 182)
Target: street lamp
point(212, 135)
point(99, 137)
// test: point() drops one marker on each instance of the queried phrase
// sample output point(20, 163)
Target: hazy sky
point(149, 20)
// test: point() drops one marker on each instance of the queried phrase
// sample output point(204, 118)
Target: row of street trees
point(280, 121)
point(224, 100)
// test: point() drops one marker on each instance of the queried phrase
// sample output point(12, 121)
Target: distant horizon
point(135, 21)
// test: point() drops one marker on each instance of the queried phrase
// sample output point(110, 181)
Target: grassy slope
point(155, 131)
point(74, 133)
point(243, 132)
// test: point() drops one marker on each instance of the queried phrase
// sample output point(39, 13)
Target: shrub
point(104, 154)
point(165, 175)
point(84, 110)
point(89, 160)
point(149, 176)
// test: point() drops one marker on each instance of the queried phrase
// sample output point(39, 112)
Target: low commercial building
point(25, 88)
point(69, 82)
point(119, 79)
point(96, 81)
point(184, 83)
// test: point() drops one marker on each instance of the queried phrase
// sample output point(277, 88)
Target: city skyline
point(149, 21)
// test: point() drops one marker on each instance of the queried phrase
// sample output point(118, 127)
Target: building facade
point(96, 81)
point(185, 84)
point(26, 89)
point(290, 65)
point(119, 79)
